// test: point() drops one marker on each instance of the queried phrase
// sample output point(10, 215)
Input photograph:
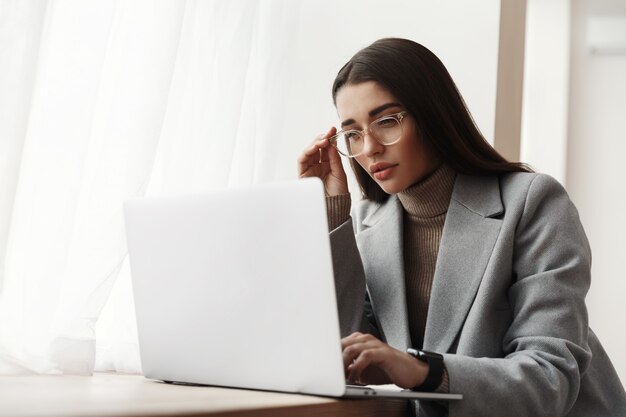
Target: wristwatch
point(435, 368)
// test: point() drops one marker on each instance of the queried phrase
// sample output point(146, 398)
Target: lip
point(382, 170)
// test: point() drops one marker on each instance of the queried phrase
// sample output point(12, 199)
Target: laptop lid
point(235, 288)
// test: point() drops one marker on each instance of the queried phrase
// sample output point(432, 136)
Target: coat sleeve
point(545, 347)
point(355, 312)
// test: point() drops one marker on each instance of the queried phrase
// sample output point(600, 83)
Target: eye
point(353, 135)
point(386, 122)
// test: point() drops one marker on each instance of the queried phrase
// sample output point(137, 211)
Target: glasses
point(387, 130)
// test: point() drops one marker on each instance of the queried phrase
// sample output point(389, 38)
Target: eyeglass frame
point(396, 116)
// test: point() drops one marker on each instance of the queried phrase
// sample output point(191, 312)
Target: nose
point(371, 146)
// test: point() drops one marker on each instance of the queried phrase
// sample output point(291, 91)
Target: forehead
point(355, 101)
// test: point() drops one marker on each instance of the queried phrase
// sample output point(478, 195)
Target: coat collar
point(469, 236)
point(381, 242)
point(460, 266)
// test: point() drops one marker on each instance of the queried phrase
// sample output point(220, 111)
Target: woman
point(460, 271)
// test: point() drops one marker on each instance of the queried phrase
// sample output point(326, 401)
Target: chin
point(390, 188)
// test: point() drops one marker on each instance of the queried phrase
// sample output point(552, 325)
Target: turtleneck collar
point(431, 196)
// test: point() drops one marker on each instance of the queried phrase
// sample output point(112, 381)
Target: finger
point(356, 337)
point(331, 132)
point(330, 153)
point(311, 155)
point(313, 149)
point(322, 139)
point(324, 157)
point(367, 358)
point(351, 352)
point(334, 159)
point(348, 339)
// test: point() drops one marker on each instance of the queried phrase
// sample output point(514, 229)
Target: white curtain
point(101, 101)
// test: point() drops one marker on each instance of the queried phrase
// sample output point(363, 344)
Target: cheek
point(415, 148)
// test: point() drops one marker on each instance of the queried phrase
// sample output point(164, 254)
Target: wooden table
point(116, 395)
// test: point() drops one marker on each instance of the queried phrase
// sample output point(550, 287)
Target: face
point(393, 167)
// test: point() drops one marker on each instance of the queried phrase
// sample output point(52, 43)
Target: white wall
point(595, 176)
point(546, 87)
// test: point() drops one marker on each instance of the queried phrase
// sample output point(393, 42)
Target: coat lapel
point(468, 239)
point(381, 241)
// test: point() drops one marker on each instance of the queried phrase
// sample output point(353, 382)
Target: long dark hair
point(422, 84)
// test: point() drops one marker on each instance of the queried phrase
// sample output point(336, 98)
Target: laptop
point(235, 288)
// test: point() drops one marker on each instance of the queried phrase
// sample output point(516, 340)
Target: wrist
point(336, 191)
point(432, 378)
point(420, 371)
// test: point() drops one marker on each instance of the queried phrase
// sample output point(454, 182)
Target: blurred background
point(101, 101)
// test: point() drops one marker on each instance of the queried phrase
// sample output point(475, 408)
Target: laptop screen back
point(235, 288)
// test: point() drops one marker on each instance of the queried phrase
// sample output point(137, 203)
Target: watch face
point(424, 355)
point(418, 354)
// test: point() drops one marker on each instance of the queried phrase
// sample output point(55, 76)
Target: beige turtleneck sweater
point(425, 206)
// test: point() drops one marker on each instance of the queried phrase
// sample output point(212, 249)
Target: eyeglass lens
point(387, 131)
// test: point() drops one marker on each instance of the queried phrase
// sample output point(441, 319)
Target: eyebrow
point(372, 112)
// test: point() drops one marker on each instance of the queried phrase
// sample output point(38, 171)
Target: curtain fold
point(21, 24)
point(128, 99)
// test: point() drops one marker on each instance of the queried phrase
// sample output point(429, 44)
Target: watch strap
point(435, 369)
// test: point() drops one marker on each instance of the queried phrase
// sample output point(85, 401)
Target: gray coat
point(507, 306)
